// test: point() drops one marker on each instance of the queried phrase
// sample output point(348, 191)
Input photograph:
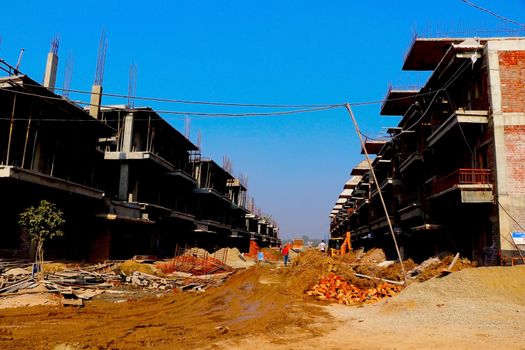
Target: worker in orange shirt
point(285, 252)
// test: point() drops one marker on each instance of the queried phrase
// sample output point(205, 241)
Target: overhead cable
point(493, 14)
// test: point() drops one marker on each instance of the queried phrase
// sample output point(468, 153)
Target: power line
point(449, 82)
point(191, 113)
point(493, 14)
point(233, 104)
point(196, 102)
point(306, 108)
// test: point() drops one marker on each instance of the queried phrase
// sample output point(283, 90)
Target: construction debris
point(335, 288)
point(354, 278)
point(76, 284)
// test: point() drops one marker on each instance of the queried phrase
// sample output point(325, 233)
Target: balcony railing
point(462, 176)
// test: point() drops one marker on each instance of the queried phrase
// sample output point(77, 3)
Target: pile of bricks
point(334, 288)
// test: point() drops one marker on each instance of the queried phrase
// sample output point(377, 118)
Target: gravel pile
point(470, 296)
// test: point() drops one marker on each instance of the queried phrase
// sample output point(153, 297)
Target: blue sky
point(279, 52)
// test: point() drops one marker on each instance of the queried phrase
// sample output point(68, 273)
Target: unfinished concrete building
point(128, 182)
point(214, 203)
point(149, 174)
point(452, 172)
point(48, 150)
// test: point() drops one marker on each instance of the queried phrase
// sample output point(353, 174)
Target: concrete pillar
point(96, 99)
point(508, 127)
point(127, 136)
point(126, 147)
point(50, 75)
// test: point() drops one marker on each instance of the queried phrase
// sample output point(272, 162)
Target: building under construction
point(452, 172)
point(127, 181)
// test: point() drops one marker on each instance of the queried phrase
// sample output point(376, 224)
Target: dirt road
point(262, 308)
point(482, 308)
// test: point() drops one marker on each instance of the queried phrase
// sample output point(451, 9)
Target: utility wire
point(231, 104)
point(191, 113)
point(194, 102)
point(305, 108)
point(449, 82)
point(493, 14)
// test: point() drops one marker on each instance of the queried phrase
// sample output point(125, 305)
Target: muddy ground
point(265, 308)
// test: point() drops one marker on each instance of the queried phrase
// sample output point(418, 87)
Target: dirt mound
point(374, 256)
point(130, 266)
point(482, 285)
point(433, 267)
point(25, 300)
point(243, 306)
point(311, 266)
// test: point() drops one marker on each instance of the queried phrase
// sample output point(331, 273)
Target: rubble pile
point(360, 276)
point(335, 288)
point(74, 284)
point(195, 265)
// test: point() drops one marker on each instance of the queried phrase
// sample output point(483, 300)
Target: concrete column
point(126, 146)
point(510, 201)
point(127, 136)
point(50, 75)
point(123, 185)
point(497, 119)
point(96, 99)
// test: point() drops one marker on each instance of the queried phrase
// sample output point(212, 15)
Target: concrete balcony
point(474, 185)
point(412, 160)
point(134, 156)
point(28, 176)
point(466, 119)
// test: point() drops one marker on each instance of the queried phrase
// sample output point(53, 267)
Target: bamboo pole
point(11, 126)
point(347, 106)
point(27, 138)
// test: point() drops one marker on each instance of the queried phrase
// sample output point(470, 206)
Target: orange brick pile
point(334, 288)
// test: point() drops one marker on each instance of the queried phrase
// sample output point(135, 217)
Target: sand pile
point(482, 283)
point(372, 256)
point(433, 267)
point(234, 258)
point(492, 296)
point(130, 266)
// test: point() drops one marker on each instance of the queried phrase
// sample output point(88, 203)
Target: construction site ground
point(267, 307)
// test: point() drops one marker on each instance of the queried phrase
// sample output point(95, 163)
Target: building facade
point(127, 181)
point(452, 171)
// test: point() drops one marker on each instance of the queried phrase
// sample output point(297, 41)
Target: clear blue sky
point(253, 52)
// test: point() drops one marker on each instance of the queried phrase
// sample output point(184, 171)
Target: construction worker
point(322, 246)
point(285, 252)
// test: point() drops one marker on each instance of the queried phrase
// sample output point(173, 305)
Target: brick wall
point(515, 147)
point(512, 75)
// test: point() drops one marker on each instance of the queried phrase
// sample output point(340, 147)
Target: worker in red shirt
point(285, 252)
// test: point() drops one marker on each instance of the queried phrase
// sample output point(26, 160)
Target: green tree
point(42, 223)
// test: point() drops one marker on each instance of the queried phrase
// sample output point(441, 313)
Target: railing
point(463, 176)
